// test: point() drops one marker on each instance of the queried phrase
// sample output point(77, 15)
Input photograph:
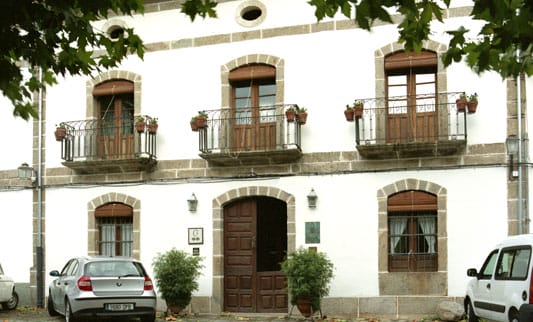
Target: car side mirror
point(54, 273)
point(472, 272)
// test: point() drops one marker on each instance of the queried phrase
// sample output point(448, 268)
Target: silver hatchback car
point(102, 287)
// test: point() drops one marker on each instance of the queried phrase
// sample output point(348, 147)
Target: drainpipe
point(520, 140)
point(39, 245)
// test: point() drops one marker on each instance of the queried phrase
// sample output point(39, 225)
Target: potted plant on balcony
point(140, 124)
point(60, 132)
point(290, 113)
point(152, 126)
point(176, 274)
point(358, 107)
point(472, 103)
point(201, 120)
point(302, 115)
point(461, 102)
point(308, 276)
point(349, 113)
point(194, 127)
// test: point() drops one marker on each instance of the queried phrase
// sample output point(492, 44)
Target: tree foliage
point(504, 43)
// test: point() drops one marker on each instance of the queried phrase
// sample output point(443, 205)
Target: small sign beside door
point(196, 236)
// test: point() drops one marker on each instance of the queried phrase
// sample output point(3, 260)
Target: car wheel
point(12, 303)
point(513, 316)
point(68, 313)
point(50, 307)
point(470, 315)
point(150, 318)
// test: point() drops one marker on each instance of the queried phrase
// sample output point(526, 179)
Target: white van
point(501, 290)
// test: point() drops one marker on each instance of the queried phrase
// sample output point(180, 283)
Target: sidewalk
point(26, 314)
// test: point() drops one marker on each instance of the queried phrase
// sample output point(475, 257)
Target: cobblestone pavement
point(27, 314)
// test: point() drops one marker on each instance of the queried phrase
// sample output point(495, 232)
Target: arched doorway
point(255, 242)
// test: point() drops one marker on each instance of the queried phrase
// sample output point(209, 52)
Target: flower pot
point(201, 122)
point(174, 308)
point(349, 114)
point(139, 126)
point(152, 128)
point(302, 117)
point(290, 115)
point(60, 133)
point(194, 127)
point(461, 104)
point(472, 106)
point(303, 303)
point(358, 111)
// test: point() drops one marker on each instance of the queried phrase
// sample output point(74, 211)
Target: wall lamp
point(26, 172)
point(311, 198)
point(511, 143)
point(192, 202)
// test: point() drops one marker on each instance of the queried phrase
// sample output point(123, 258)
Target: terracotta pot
point(152, 128)
point(304, 306)
point(302, 117)
point(461, 104)
point(201, 122)
point(290, 115)
point(139, 126)
point(349, 114)
point(60, 133)
point(174, 309)
point(194, 127)
point(358, 111)
point(472, 107)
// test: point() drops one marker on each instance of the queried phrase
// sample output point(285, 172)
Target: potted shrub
point(194, 127)
point(176, 274)
point(60, 132)
point(152, 126)
point(349, 113)
point(461, 102)
point(358, 107)
point(308, 276)
point(290, 114)
point(472, 103)
point(302, 115)
point(201, 120)
point(140, 124)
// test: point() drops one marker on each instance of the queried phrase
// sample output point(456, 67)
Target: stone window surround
point(92, 229)
point(398, 283)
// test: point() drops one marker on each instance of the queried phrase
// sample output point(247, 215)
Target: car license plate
point(119, 306)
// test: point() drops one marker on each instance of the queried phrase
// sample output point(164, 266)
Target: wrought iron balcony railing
point(404, 126)
point(111, 144)
point(250, 135)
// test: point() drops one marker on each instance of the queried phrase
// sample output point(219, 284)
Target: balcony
point(248, 136)
point(405, 127)
point(108, 146)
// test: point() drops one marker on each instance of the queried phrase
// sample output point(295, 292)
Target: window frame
point(116, 214)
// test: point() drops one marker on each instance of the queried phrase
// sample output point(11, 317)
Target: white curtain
point(397, 227)
point(427, 224)
point(127, 239)
point(108, 239)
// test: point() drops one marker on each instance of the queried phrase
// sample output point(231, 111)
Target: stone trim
point(92, 230)
point(91, 112)
point(420, 283)
point(217, 300)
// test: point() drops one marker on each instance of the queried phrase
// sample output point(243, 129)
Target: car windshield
point(113, 268)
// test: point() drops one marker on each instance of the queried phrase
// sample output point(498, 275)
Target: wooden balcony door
point(411, 108)
point(115, 127)
point(255, 242)
point(253, 107)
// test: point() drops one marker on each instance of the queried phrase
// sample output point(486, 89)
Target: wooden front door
point(255, 242)
point(115, 126)
point(254, 116)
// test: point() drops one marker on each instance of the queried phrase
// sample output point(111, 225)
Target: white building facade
point(409, 195)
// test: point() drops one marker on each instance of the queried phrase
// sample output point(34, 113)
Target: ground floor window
point(412, 231)
point(115, 230)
